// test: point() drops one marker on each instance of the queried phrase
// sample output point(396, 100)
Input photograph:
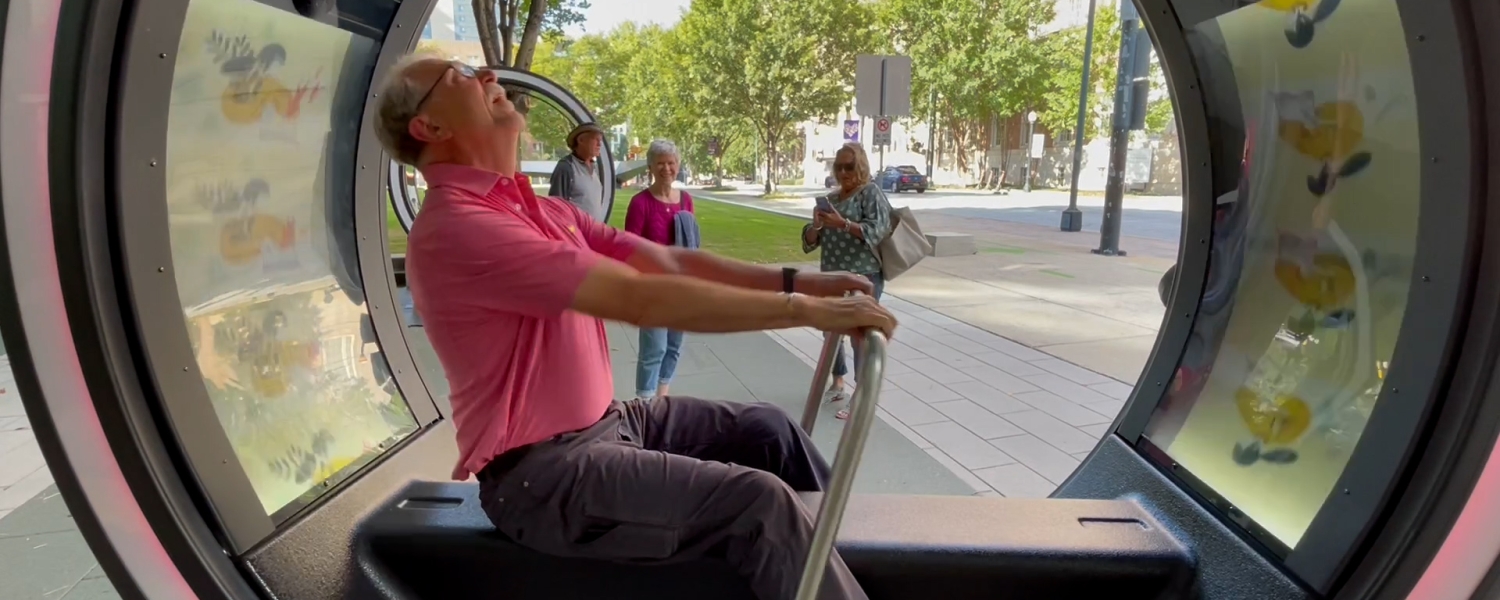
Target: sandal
point(842, 415)
point(838, 394)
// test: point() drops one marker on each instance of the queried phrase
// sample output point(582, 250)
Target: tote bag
point(904, 247)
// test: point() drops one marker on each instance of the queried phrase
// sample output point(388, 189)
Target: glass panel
point(264, 112)
point(547, 126)
point(416, 186)
point(1312, 253)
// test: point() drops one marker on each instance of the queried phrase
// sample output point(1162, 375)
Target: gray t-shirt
point(578, 182)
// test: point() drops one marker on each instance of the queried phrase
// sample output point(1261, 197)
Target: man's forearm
point(687, 303)
point(710, 266)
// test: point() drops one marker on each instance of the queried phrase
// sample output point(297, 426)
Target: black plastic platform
point(431, 540)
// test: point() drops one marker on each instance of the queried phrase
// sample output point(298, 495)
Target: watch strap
point(788, 278)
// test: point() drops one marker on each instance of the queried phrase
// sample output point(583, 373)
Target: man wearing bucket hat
point(576, 178)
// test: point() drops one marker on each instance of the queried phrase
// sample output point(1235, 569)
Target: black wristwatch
point(788, 277)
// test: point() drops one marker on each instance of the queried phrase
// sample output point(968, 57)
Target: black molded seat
point(432, 541)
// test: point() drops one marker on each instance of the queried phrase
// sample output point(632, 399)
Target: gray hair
point(659, 148)
point(396, 106)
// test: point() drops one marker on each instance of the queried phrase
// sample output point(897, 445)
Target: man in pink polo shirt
point(513, 290)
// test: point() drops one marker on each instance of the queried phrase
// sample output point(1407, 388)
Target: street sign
point(882, 85)
point(713, 146)
point(851, 130)
point(882, 131)
point(1038, 145)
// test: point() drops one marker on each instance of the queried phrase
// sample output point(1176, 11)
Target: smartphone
point(822, 204)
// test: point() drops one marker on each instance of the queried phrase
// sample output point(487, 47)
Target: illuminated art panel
point(1312, 258)
point(269, 287)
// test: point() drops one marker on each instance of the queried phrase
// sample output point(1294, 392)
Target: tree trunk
point(484, 19)
point(770, 159)
point(770, 163)
point(526, 50)
point(497, 35)
point(508, 10)
point(1004, 152)
point(960, 147)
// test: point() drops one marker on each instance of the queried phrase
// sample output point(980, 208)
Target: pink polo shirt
point(492, 269)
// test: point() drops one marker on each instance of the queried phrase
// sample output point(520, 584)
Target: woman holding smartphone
point(848, 225)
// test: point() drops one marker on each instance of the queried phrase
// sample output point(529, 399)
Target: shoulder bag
point(904, 247)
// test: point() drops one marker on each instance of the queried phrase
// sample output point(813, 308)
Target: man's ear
point(425, 130)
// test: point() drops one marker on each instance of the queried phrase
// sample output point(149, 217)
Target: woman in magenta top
point(650, 216)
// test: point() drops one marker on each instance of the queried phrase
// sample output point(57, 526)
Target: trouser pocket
point(623, 540)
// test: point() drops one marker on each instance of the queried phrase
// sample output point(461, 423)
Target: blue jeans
point(839, 368)
point(657, 363)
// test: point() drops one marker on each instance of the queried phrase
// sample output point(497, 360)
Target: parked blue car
point(901, 178)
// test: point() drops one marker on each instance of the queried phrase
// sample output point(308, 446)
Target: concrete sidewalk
point(1037, 286)
point(1156, 218)
point(42, 554)
point(23, 473)
point(1043, 289)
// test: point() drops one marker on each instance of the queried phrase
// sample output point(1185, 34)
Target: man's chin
point(510, 119)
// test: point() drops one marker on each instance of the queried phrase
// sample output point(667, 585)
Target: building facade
point(452, 21)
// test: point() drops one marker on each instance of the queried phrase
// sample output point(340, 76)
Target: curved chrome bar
point(870, 376)
point(575, 108)
point(824, 369)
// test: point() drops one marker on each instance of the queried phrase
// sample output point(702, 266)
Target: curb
point(784, 213)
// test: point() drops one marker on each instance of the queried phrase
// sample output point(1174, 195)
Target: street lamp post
point(931, 127)
point(1072, 218)
point(1030, 131)
point(1119, 139)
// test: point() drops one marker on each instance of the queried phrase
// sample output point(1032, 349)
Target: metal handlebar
point(824, 369)
point(869, 375)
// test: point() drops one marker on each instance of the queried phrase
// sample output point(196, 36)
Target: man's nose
point(488, 76)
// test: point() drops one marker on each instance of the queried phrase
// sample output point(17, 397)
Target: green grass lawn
point(393, 231)
point(735, 231)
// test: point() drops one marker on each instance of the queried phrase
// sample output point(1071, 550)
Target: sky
point(605, 15)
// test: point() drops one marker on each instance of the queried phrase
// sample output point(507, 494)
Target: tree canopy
point(749, 73)
point(1064, 70)
point(971, 59)
point(767, 65)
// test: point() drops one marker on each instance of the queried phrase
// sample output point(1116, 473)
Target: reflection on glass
point(262, 245)
point(416, 187)
point(547, 127)
point(1312, 254)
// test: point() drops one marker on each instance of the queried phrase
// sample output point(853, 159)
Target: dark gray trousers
point(670, 480)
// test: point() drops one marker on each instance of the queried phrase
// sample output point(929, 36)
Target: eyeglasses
point(460, 68)
point(843, 166)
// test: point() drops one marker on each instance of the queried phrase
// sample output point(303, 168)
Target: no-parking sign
point(882, 131)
